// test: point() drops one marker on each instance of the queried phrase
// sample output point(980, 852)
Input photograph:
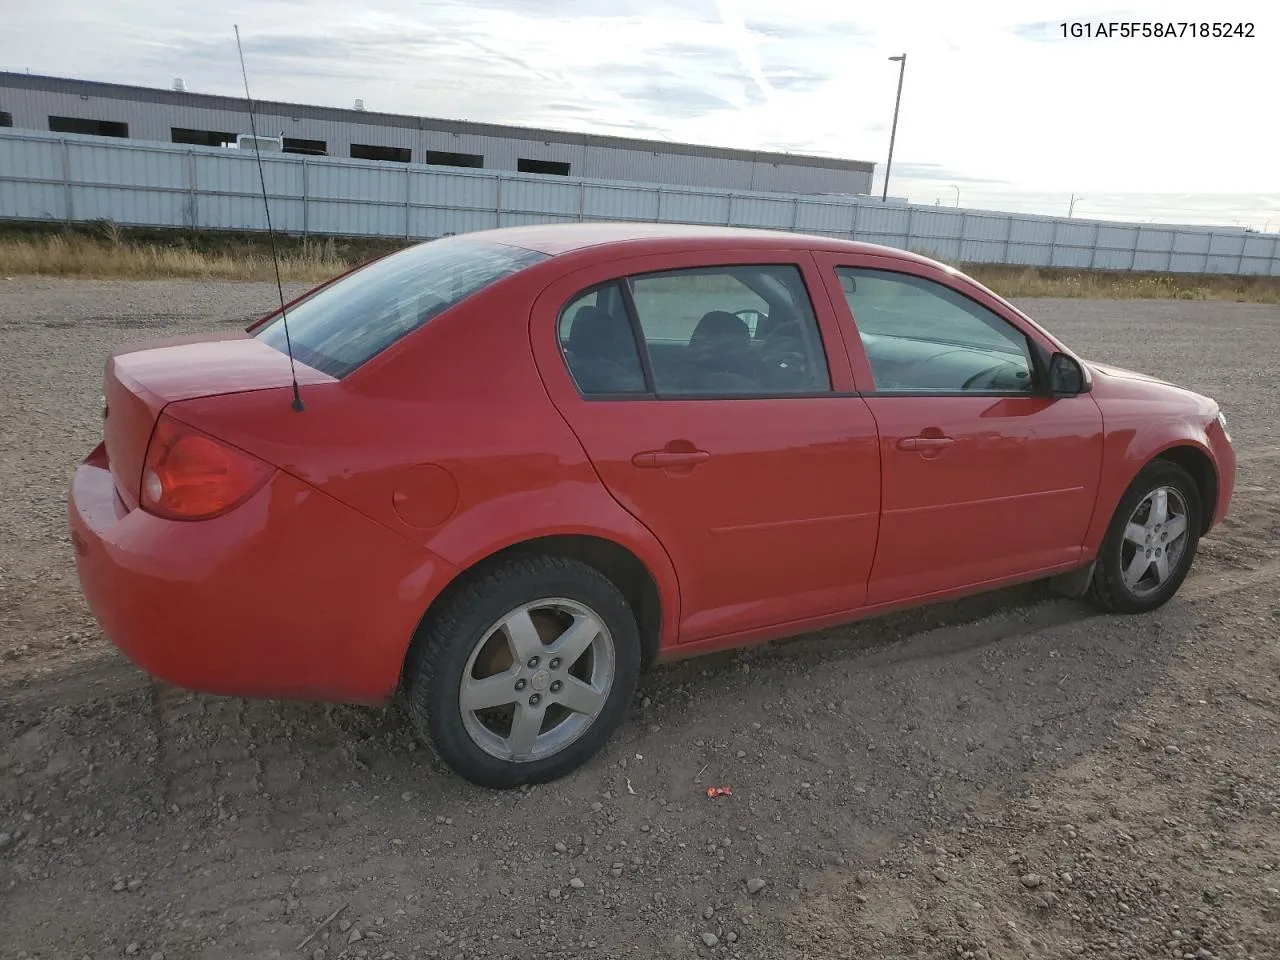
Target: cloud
point(841, 31)
point(995, 99)
point(743, 44)
point(706, 52)
point(937, 172)
point(675, 99)
point(799, 80)
point(1041, 30)
point(613, 9)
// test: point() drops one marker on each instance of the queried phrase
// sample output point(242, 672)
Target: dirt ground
point(1011, 776)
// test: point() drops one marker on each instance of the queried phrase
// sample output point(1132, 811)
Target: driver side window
point(921, 336)
point(744, 330)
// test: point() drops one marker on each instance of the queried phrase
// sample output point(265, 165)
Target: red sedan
point(530, 462)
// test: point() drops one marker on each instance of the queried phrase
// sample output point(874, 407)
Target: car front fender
point(1128, 448)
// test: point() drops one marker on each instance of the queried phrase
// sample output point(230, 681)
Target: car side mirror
point(1066, 376)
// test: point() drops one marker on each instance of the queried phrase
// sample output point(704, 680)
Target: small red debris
point(714, 792)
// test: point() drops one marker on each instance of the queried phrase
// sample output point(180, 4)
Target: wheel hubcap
point(537, 680)
point(1155, 540)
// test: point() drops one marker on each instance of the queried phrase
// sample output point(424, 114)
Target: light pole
point(1072, 208)
point(957, 190)
point(902, 68)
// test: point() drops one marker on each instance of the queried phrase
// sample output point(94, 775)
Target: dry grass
point(104, 251)
point(80, 256)
point(1027, 282)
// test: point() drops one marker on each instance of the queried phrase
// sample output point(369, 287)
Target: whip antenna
point(271, 235)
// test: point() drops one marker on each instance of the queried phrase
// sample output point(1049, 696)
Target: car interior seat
point(602, 352)
point(720, 354)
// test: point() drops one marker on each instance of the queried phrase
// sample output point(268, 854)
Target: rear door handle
point(924, 443)
point(660, 459)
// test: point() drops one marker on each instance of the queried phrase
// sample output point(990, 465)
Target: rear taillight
point(188, 475)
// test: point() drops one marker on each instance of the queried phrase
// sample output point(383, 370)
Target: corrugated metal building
point(63, 105)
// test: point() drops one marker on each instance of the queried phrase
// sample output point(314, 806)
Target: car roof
point(555, 239)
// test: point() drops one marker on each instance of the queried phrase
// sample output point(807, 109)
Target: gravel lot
point(1011, 776)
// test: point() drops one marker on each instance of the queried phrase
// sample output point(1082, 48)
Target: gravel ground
point(1010, 776)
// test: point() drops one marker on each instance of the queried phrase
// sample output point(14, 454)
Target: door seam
point(675, 571)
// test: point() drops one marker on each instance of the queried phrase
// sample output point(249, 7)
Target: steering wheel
point(792, 361)
point(782, 350)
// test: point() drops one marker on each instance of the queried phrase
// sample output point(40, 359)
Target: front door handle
point(923, 444)
point(661, 459)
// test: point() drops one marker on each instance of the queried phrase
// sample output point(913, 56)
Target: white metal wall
point(55, 177)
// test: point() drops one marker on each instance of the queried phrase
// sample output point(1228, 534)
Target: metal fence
point(69, 178)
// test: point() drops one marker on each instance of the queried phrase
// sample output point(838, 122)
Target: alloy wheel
point(537, 680)
point(1154, 542)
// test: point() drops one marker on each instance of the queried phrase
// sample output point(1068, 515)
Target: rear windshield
point(353, 319)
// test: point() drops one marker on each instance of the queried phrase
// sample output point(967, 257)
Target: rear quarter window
point(343, 325)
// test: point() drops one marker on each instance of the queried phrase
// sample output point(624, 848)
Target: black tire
point(1108, 588)
point(450, 635)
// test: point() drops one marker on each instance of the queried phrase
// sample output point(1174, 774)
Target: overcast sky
point(996, 104)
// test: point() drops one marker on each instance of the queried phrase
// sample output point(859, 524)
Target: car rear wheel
point(1151, 542)
point(525, 672)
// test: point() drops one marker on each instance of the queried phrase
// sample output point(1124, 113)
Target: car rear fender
point(578, 508)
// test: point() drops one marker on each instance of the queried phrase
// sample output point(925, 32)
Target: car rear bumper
point(290, 595)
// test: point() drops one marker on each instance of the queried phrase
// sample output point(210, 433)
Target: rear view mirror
point(1066, 376)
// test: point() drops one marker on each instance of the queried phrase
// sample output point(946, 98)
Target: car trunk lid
point(142, 379)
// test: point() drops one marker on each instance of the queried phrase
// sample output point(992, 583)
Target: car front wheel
point(525, 672)
point(1151, 542)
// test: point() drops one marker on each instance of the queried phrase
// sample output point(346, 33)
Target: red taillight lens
point(188, 475)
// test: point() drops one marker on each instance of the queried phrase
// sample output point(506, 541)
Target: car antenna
point(271, 235)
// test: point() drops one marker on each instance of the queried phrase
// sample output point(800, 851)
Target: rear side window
point(599, 344)
point(352, 320)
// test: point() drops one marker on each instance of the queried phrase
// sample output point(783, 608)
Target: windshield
point(341, 326)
